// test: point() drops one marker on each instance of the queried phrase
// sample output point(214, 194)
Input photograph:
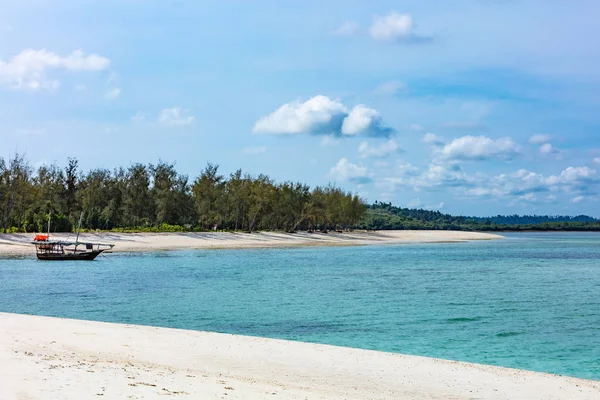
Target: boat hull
point(79, 256)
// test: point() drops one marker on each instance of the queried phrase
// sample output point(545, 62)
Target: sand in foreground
point(20, 243)
point(48, 358)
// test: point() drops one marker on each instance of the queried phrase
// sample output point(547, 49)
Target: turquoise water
point(531, 301)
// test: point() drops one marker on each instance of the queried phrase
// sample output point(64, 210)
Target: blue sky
point(472, 106)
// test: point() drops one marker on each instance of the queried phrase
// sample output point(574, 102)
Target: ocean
point(530, 301)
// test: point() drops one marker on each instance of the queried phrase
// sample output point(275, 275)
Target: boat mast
point(49, 216)
point(78, 230)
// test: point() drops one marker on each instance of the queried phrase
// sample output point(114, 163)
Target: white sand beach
point(49, 358)
point(20, 243)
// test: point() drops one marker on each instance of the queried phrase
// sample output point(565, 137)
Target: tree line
point(157, 197)
point(384, 216)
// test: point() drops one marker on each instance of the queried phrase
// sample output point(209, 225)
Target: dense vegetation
point(386, 216)
point(157, 198)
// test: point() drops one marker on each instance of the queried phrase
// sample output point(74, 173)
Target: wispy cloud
point(254, 150)
point(29, 69)
point(139, 116)
point(346, 29)
point(540, 139)
point(389, 88)
point(113, 93)
point(175, 116)
point(367, 150)
point(396, 27)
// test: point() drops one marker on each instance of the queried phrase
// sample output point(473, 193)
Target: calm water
point(531, 301)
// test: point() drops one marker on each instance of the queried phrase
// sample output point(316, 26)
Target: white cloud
point(79, 87)
point(346, 29)
point(479, 148)
point(433, 139)
point(139, 116)
point(113, 93)
point(28, 70)
point(365, 150)
point(364, 121)
point(345, 171)
point(577, 199)
point(255, 150)
point(6, 28)
point(394, 27)
point(175, 117)
point(321, 115)
point(416, 127)
point(391, 27)
point(574, 176)
point(597, 160)
point(540, 139)
point(547, 149)
point(433, 178)
point(389, 88)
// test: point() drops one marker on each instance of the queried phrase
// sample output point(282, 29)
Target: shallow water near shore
point(530, 301)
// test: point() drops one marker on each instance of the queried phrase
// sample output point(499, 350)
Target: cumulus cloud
point(175, 116)
point(395, 27)
point(365, 121)
point(29, 69)
point(572, 180)
point(255, 150)
point(345, 171)
point(435, 177)
point(113, 93)
point(321, 115)
point(346, 29)
point(597, 160)
point(366, 150)
point(540, 139)
point(574, 176)
point(548, 149)
point(479, 148)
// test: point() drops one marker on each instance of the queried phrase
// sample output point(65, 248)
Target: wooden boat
point(57, 250)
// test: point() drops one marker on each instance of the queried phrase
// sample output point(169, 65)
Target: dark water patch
point(463, 319)
point(508, 334)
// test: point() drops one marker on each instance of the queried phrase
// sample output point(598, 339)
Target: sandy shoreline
point(20, 243)
point(49, 358)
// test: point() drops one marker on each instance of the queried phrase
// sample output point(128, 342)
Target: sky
point(472, 107)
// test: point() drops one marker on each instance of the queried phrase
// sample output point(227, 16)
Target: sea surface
point(529, 301)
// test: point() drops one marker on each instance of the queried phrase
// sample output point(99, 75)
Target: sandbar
point(20, 243)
